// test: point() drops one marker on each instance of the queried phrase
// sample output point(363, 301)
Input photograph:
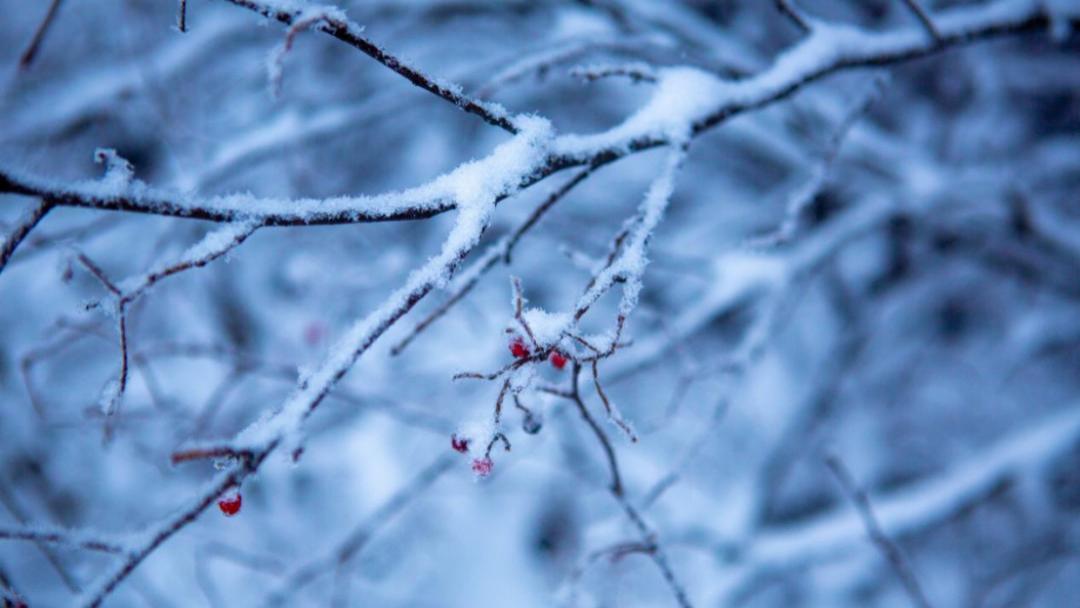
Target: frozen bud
point(531, 424)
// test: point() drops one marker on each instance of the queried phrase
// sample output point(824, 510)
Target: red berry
point(558, 360)
point(482, 466)
point(518, 348)
point(460, 444)
point(230, 504)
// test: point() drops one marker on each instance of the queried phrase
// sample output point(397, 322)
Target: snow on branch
point(686, 103)
point(22, 228)
point(333, 22)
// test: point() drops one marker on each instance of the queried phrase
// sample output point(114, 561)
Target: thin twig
point(31, 51)
point(63, 538)
point(349, 33)
point(648, 535)
point(796, 16)
point(181, 16)
point(888, 548)
point(920, 12)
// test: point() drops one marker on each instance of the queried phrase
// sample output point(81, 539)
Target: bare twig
point(31, 51)
point(62, 537)
point(888, 548)
point(181, 16)
point(796, 16)
point(920, 12)
point(648, 535)
point(636, 72)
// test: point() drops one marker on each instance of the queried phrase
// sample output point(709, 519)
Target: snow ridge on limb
point(686, 100)
point(476, 186)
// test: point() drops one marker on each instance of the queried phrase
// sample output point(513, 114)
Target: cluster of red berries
point(481, 466)
point(460, 444)
point(520, 350)
point(230, 503)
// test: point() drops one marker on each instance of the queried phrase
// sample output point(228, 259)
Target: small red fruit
point(460, 444)
point(518, 348)
point(230, 504)
point(482, 466)
point(558, 360)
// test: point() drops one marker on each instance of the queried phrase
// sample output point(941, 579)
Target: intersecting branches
point(500, 251)
point(828, 50)
point(214, 245)
point(333, 22)
point(283, 428)
point(649, 544)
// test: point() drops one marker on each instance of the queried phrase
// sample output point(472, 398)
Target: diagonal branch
point(885, 544)
point(22, 228)
point(334, 23)
point(916, 7)
point(39, 35)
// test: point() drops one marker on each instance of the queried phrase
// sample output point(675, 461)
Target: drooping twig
point(609, 452)
point(649, 536)
point(888, 548)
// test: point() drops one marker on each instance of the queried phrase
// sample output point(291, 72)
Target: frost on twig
point(306, 18)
